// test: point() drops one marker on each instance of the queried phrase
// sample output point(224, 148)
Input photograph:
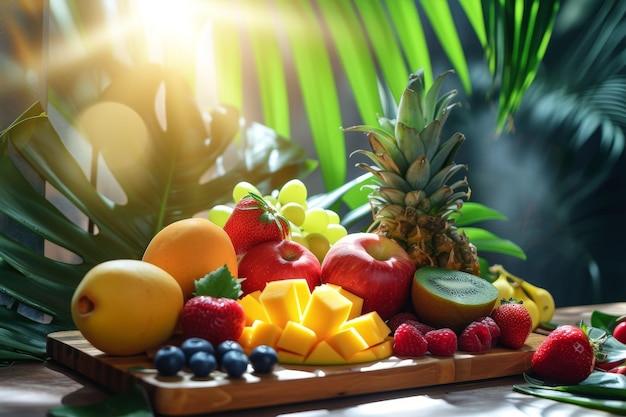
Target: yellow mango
point(282, 300)
point(324, 354)
point(296, 338)
point(289, 357)
point(384, 349)
point(263, 333)
point(326, 311)
point(244, 338)
point(370, 326)
point(347, 342)
point(252, 308)
point(366, 355)
point(357, 302)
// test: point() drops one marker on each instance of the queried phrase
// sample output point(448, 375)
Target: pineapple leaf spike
point(415, 190)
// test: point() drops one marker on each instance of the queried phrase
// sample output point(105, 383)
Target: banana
point(543, 298)
point(531, 294)
point(505, 290)
point(531, 306)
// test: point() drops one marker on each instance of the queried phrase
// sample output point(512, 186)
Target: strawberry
point(254, 221)
point(565, 356)
point(213, 313)
point(475, 337)
point(514, 322)
point(408, 341)
point(441, 342)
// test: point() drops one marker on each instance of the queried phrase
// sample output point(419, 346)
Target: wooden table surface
point(30, 389)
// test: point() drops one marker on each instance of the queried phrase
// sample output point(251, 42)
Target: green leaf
point(472, 212)
point(440, 17)
point(486, 241)
point(604, 321)
point(357, 61)
point(133, 402)
point(219, 284)
point(601, 391)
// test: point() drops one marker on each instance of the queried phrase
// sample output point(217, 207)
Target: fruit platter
point(267, 296)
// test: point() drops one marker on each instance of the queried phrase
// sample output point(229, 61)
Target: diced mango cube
point(282, 300)
point(357, 302)
point(384, 349)
point(324, 354)
point(264, 333)
point(370, 326)
point(297, 339)
point(244, 338)
point(347, 342)
point(252, 308)
point(289, 357)
point(366, 355)
point(326, 311)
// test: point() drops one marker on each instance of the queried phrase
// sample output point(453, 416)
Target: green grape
point(220, 214)
point(333, 217)
point(272, 200)
point(315, 220)
point(334, 232)
point(318, 244)
point(297, 237)
point(242, 189)
point(293, 191)
point(294, 212)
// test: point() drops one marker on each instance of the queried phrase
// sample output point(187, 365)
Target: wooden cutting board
point(185, 395)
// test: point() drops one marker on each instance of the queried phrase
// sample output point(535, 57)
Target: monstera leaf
point(181, 167)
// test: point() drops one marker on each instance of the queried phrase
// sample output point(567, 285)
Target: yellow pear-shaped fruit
point(125, 307)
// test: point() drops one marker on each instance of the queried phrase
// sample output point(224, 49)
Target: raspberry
point(475, 337)
point(399, 318)
point(408, 341)
point(423, 328)
point(441, 342)
point(493, 327)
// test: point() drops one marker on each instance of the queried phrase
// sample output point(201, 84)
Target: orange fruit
point(189, 249)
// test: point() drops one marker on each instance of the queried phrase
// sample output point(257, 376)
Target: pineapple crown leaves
point(269, 213)
point(219, 284)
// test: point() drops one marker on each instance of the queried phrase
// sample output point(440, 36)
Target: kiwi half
point(449, 298)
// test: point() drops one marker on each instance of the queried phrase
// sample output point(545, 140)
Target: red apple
point(273, 261)
point(374, 267)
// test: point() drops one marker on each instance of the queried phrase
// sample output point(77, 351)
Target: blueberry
point(226, 346)
point(196, 344)
point(202, 364)
point(263, 359)
point(169, 360)
point(234, 363)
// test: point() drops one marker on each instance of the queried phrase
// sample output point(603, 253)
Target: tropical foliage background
point(258, 90)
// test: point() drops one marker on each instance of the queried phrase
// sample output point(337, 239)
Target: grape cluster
point(315, 228)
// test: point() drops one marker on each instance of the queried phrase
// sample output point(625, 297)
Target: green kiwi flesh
point(449, 298)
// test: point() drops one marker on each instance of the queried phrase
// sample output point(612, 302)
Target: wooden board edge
point(168, 398)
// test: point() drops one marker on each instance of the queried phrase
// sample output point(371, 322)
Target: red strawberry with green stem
point(255, 221)
point(566, 355)
point(214, 313)
point(514, 322)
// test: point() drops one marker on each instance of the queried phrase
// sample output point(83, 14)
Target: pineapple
point(414, 170)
